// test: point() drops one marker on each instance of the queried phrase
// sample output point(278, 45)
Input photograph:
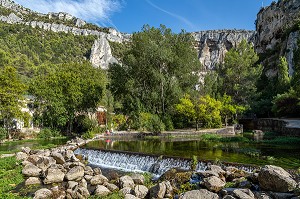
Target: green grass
point(11, 176)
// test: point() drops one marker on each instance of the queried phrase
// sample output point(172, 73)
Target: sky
point(130, 15)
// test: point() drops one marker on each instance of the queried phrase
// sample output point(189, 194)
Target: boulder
point(21, 156)
point(72, 184)
point(68, 154)
point(130, 196)
point(88, 177)
point(158, 191)
point(140, 191)
point(102, 191)
point(33, 181)
point(126, 190)
point(169, 189)
point(176, 177)
point(82, 192)
point(98, 180)
point(83, 183)
point(45, 162)
point(262, 195)
point(31, 170)
point(26, 150)
point(111, 187)
point(58, 157)
point(43, 194)
point(273, 178)
point(217, 169)
point(199, 194)
point(214, 183)
point(243, 194)
point(126, 181)
point(97, 171)
point(58, 192)
point(75, 174)
point(54, 175)
point(89, 171)
point(138, 179)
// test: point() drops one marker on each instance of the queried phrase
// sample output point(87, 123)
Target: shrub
point(119, 122)
point(168, 123)
point(47, 133)
point(150, 122)
point(3, 134)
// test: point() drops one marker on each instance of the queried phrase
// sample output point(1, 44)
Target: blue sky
point(130, 15)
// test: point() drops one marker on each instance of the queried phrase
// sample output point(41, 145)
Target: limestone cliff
point(275, 33)
point(212, 45)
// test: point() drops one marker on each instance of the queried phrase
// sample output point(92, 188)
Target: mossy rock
point(177, 177)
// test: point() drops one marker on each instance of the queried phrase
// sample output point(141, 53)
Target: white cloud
point(95, 11)
point(180, 18)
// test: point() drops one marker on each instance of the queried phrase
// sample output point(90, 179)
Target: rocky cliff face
point(212, 45)
point(275, 32)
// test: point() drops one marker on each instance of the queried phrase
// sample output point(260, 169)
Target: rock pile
point(62, 174)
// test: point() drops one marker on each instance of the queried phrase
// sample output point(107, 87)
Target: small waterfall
point(136, 163)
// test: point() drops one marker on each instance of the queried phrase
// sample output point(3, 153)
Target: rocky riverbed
point(62, 174)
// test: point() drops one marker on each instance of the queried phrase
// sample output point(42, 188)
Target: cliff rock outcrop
point(212, 45)
point(275, 32)
point(101, 55)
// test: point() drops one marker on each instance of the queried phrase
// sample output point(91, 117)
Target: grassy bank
point(11, 176)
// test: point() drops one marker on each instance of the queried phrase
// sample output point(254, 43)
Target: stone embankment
point(62, 174)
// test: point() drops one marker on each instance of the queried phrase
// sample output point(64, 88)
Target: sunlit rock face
point(212, 45)
point(275, 32)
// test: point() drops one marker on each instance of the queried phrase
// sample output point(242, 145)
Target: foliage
point(148, 179)
point(287, 104)
point(47, 133)
point(218, 138)
point(194, 162)
point(283, 140)
point(11, 94)
point(11, 176)
point(3, 134)
point(152, 123)
point(205, 110)
point(283, 74)
point(229, 109)
point(157, 69)
point(119, 121)
point(72, 88)
point(240, 74)
point(114, 195)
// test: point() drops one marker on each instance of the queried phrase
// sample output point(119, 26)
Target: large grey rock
point(126, 190)
point(242, 194)
point(45, 162)
point(102, 191)
point(58, 192)
point(217, 169)
point(75, 174)
point(138, 178)
point(97, 171)
point(276, 179)
point(58, 157)
point(72, 184)
point(31, 170)
point(158, 191)
point(43, 194)
point(89, 171)
point(140, 191)
point(26, 150)
point(98, 180)
point(101, 55)
point(130, 196)
point(199, 194)
point(32, 181)
point(214, 183)
point(21, 156)
point(126, 181)
point(111, 187)
point(54, 175)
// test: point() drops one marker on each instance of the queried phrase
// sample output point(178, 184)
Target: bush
point(3, 134)
point(168, 123)
point(119, 122)
point(47, 133)
point(152, 123)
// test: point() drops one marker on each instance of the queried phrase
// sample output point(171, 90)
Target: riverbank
point(59, 173)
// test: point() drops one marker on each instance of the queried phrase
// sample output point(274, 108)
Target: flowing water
point(159, 155)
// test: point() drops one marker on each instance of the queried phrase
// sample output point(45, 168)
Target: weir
point(136, 162)
point(157, 165)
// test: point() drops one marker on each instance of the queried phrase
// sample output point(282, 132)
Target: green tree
point(11, 95)
point(157, 69)
point(283, 75)
point(229, 109)
point(204, 109)
point(68, 90)
point(240, 73)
